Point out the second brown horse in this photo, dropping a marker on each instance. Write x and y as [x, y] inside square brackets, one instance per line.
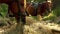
[39, 8]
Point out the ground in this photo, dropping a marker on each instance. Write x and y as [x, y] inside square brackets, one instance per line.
[32, 26]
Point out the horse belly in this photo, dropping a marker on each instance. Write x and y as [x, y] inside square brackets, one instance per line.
[14, 8]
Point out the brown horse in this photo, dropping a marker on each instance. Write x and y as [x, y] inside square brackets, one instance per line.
[39, 8]
[43, 7]
[14, 9]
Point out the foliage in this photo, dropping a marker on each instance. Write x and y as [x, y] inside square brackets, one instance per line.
[3, 9]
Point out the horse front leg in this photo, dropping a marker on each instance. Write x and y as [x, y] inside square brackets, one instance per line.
[23, 19]
[17, 19]
[39, 17]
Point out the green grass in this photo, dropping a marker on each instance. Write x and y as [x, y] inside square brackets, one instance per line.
[3, 9]
[57, 11]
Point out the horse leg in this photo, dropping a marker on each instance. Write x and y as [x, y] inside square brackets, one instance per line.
[39, 17]
[27, 13]
[23, 19]
[17, 19]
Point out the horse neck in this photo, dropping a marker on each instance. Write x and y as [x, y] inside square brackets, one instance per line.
[28, 4]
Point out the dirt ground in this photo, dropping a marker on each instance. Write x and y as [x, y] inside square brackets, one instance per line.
[31, 27]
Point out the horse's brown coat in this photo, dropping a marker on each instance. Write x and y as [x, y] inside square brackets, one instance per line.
[13, 7]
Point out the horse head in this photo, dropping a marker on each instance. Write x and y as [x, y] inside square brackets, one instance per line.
[44, 7]
[49, 5]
